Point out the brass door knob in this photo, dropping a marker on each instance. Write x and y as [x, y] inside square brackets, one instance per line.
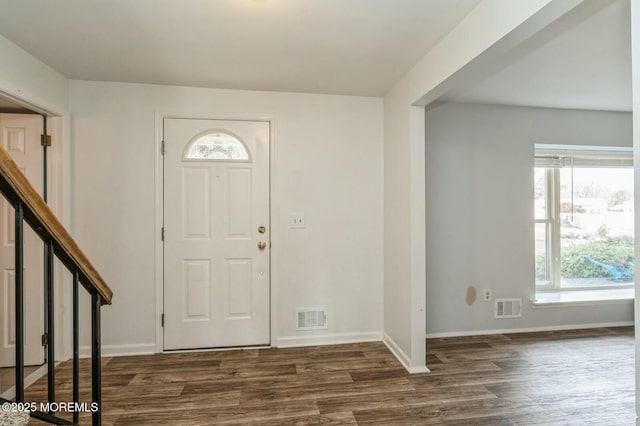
[262, 245]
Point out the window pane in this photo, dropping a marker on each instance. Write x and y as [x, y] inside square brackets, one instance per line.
[543, 276]
[596, 220]
[216, 146]
[540, 192]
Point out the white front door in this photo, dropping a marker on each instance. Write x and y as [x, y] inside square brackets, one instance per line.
[216, 233]
[20, 136]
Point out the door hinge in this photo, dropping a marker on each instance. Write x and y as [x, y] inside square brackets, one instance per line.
[45, 339]
[45, 140]
[162, 233]
[162, 148]
[162, 320]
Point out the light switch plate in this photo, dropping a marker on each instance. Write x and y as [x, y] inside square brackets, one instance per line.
[296, 221]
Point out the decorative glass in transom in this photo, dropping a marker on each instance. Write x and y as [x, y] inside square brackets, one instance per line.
[217, 146]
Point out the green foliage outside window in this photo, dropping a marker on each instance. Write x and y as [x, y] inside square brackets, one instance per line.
[582, 260]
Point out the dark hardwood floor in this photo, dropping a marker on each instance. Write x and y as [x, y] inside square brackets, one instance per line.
[582, 377]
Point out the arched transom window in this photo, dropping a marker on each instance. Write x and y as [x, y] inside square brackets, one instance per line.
[216, 145]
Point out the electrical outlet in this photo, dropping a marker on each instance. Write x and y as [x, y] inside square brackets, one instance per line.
[487, 295]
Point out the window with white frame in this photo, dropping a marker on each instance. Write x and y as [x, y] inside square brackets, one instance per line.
[584, 236]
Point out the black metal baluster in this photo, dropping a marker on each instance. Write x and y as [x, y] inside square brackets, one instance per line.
[51, 364]
[19, 277]
[47, 297]
[96, 367]
[76, 346]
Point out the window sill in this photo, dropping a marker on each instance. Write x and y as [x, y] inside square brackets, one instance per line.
[551, 299]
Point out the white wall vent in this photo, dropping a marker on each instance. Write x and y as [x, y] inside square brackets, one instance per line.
[508, 308]
[311, 319]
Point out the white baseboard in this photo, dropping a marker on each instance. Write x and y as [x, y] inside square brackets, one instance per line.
[121, 350]
[401, 356]
[528, 330]
[282, 342]
[328, 339]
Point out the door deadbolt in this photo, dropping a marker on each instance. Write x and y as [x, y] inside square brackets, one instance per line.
[262, 245]
[262, 229]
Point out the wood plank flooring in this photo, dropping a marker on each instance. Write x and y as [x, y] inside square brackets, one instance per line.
[582, 377]
[8, 377]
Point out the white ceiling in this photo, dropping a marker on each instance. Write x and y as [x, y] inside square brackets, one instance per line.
[352, 47]
[581, 61]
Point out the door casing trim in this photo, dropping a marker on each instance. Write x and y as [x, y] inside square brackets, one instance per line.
[159, 216]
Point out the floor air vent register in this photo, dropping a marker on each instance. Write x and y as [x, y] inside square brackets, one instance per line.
[311, 319]
[508, 308]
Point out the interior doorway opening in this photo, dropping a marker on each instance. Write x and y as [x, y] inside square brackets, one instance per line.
[33, 138]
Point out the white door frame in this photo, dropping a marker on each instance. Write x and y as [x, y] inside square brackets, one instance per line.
[59, 196]
[159, 219]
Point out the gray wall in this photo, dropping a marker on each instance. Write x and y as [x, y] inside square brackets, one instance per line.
[479, 197]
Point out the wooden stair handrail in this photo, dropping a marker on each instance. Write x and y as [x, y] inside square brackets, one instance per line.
[15, 186]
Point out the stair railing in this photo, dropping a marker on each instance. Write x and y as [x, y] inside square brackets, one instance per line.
[30, 208]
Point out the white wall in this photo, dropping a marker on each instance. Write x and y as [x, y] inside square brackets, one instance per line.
[327, 164]
[31, 82]
[470, 49]
[480, 206]
[27, 78]
[397, 279]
